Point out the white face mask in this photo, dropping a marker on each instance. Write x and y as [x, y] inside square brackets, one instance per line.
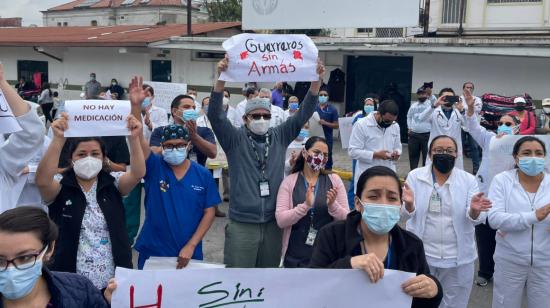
[546, 110]
[259, 127]
[88, 167]
[225, 101]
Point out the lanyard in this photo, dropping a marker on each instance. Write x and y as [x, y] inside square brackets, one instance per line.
[261, 163]
[388, 256]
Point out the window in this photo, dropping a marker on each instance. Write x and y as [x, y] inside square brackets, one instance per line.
[59, 24]
[65, 24]
[364, 30]
[34, 71]
[451, 11]
[121, 17]
[513, 1]
[94, 23]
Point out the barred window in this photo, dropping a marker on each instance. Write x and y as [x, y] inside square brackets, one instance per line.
[513, 1]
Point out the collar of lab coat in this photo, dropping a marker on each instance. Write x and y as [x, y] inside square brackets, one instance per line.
[426, 176]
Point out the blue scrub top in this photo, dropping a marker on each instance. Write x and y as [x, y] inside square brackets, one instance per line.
[174, 208]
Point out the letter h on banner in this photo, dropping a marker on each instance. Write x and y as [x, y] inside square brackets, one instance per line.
[158, 304]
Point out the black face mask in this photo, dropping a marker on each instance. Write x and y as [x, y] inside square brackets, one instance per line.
[422, 99]
[443, 163]
[519, 108]
[385, 124]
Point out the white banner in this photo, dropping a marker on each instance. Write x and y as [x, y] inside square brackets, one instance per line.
[8, 123]
[501, 150]
[165, 92]
[88, 118]
[344, 126]
[265, 288]
[322, 14]
[270, 57]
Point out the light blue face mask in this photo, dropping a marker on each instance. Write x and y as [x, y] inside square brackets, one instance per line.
[506, 130]
[380, 218]
[304, 133]
[174, 157]
[293, 106]
[323, 99]
[531, 166]
[16, 283]
[146, 103]
[368, 108]
[189, 115]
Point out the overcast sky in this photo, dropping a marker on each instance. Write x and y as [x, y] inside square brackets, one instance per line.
[28, 9]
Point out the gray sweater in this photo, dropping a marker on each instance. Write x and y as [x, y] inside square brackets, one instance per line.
[245, 204]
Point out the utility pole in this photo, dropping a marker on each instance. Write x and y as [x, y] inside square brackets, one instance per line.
[189, 24]
[461, 16]
[426, 17]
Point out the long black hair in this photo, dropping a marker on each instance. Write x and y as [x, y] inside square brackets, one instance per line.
[30, 219]
[300, 161]
[46, 86]
[522, 140]
[373, 172]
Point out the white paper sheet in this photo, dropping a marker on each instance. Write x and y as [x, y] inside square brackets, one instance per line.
[88, 118]
[270, 57]
[266, 288]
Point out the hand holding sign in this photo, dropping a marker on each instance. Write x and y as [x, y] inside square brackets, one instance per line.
[134, 126]
[270, 57]
[59, 126]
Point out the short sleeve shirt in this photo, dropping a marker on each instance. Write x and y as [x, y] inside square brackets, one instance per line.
[174, 208]
[329, 114]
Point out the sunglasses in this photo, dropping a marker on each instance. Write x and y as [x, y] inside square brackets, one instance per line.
[505, 123]
[260, 116]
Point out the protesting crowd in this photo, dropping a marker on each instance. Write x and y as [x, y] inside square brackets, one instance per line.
[70, 207]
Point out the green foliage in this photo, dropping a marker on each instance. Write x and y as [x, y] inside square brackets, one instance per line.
[224, 10]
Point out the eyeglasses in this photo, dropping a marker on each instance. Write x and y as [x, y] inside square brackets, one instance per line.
[505, 123]
[22, 262]
[171, 147]
[260, 116]
[444, 151]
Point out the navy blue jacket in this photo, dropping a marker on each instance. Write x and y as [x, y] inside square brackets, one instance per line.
[70, 290]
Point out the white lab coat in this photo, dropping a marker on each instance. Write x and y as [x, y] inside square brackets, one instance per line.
[441, 126]
[368, 137]
[158, 117]
[30, 195]
[522, 254]
[15, 153]
[462, 187]
[483, 137]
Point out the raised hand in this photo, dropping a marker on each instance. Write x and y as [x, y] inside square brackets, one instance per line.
[59, 126]
[134, 126]
[136, 93]
[479, 204]
[408, 197]
[223, 65]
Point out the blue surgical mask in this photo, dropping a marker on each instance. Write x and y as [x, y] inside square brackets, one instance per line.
[368, 108]
[323, 99]
[293, 106]
[174, 157]
[531, 166]
[506, 130]
[16, 283]
[304, 133]
[146, 103]
[190, 115]
[380, 218]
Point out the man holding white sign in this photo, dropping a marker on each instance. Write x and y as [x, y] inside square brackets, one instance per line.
[256, 157]
[16, 117]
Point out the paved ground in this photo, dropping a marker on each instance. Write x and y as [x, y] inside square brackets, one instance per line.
[214, 240]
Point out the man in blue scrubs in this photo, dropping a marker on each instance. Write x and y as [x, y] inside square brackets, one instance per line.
[180, 196]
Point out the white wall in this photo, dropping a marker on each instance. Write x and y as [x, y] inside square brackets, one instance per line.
[122, 16]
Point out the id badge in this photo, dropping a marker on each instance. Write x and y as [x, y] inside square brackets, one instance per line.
[311, 235]
[435, 203]
[264, 189]
[193, 156]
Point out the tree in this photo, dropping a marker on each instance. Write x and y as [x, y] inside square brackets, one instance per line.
[224, 10]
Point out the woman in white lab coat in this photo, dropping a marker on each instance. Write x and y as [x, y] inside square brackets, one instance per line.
[447, 207]
[485, 235]
[521, 200]
[447, 119]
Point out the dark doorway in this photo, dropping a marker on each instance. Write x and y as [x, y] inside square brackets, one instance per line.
[389, 77]
[33, 71]
[161, 70]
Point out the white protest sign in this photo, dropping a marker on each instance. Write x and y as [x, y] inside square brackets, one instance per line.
[501, 150]
[265, 288]
[323, 14]
[345, 126]
[270, 57]
[165, 92]
[8, 123]
[88, 118]
[170, 263]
